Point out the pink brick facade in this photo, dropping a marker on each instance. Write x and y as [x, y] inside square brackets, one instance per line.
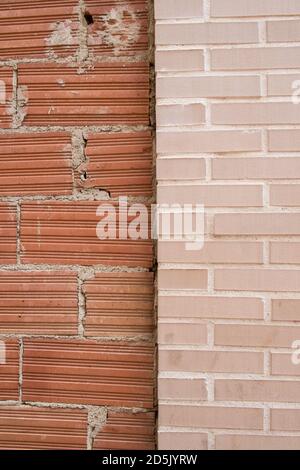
[228, 80]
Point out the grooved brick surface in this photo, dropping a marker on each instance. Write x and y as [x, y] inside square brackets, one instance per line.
[8, 232]
[77, 309]
[9, 369]
[35, 29]
[108, 94]
[65, 233]
[119, 304]
[25, 428]
[88, 372]
[130, 431]
[38, 302]
[34, 164]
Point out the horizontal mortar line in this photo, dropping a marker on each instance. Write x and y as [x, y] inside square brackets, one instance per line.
[234, 19]
[226, 431]
[213, 47]
[226, 403]
[228, 348]
[72, 268]
[100, 340]
[109, 129]
[225, 376]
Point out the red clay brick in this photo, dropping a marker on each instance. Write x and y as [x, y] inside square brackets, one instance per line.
[120, 163]
[24, 428]
[88, 372]
[35, 29]
[38, 302]
[36, 164]
[8, 233]
[118, 28]
[6, 77]
[108, 94]
[126, 431]
[9, 371]
[119, 304]
[65, 233]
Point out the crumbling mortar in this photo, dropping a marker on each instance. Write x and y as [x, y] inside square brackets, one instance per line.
[97, 417]
[98, 268]
[107, 129]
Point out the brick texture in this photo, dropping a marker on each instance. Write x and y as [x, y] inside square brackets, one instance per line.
[77, 310]
[227, 83]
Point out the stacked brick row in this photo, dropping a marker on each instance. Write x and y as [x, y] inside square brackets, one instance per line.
[76, 312]
[229, 138]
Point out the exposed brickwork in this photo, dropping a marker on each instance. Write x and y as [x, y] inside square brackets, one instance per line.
[76, 312]
[228, 137]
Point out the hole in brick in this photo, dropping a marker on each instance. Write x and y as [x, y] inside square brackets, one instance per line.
[88, 18]
[84, 176]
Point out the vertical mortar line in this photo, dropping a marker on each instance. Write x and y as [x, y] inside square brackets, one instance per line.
[18, 230]
[21, 352]
[267, 419]
[211, 438]
[14, 105]
[81, 305]
[267, 363]
[83, 50]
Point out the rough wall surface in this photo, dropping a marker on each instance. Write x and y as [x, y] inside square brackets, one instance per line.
[229, 137]
[76, 312]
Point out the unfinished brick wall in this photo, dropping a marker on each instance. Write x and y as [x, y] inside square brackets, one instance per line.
[76, 312]
[229, 137]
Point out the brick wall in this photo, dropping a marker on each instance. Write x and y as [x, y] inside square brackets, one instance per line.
[76, 313]
[229, 137]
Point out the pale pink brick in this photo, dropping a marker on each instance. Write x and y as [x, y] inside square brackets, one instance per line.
[206, 33]
[210, 307]
[180, 169]
[285, 252]
[282, 84]
[182, 333]
[182, 389]
[262, 58]
[255, 113]
[208, 142]
[211, 361]
[180, 114]
[169, 9]
[283, 31]
[257, 224]
[166, 61]
[255, 168]
[257, 390]
[285, 194]
[284, 140]
[286, 310]
[259, 442]
[285, 420]
[256, 335]
[209, 86]
[268, 280]
[182, 440]
[212, 195]
[182, 278]
[232, 252]
[282, 364]
[210, 417]
[241, 8]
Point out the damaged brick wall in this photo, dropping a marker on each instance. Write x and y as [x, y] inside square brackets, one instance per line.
[76, 313]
